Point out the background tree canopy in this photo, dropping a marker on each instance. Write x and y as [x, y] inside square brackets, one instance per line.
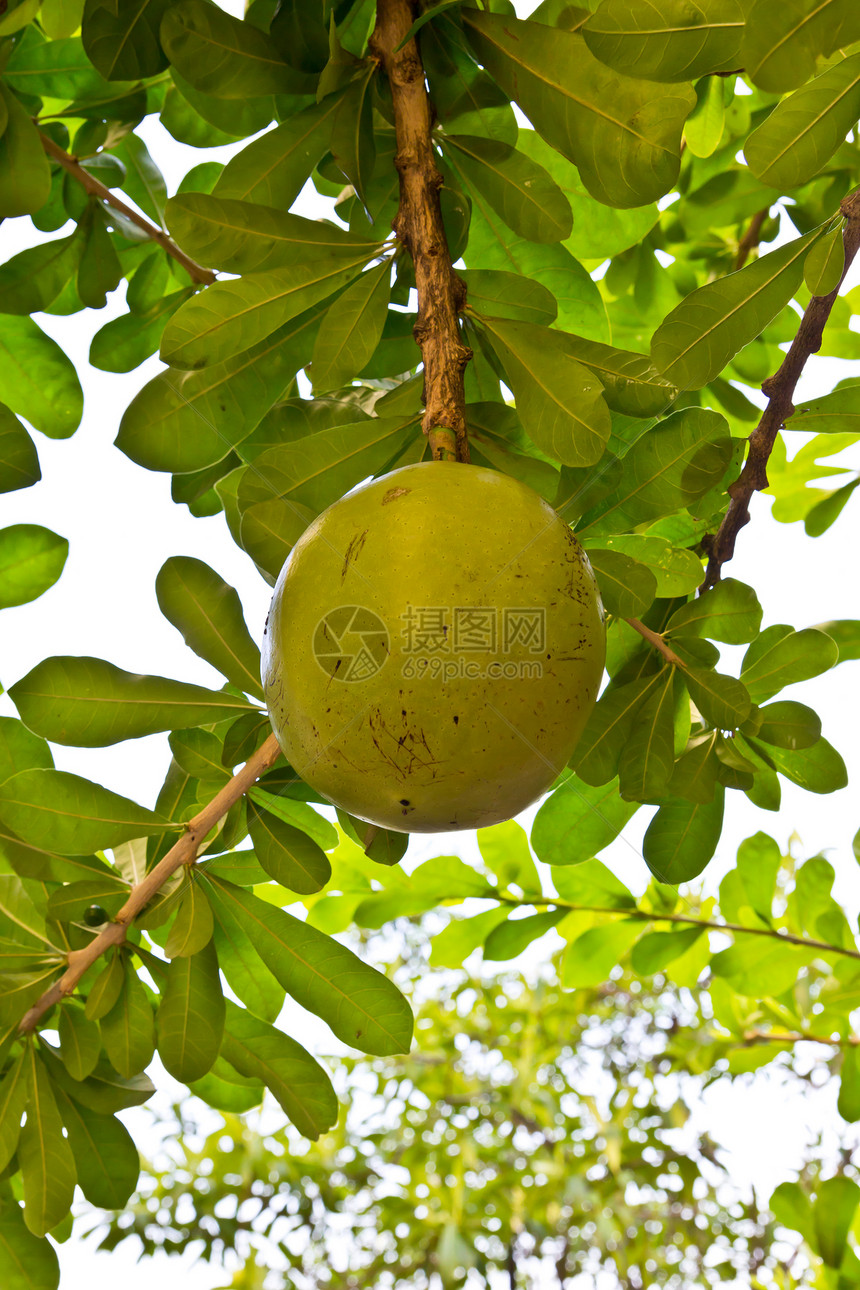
[572, 248]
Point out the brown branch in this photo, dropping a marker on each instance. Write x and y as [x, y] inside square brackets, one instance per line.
[182, 852]
[751, 237]
[797, 1037]
[96, 189]
[656, 640]
[689, 920]
[419, 226]
[779, 389]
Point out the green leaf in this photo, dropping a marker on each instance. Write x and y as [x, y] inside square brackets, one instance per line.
[674, 464]
[185, 421]
[682, 837]
[722, 700]
[298, 1082]
[508, 295]
[208, 613]
[509, 939]
[729, 612]
[789, 725]
[25, 175]
[247, 977]
[492, 245]
[597, 754]
[121, 37]
[33, 278]
[803, 131]
[848, 1104]
[790, 1206]
[230, 317]
[352, 142]
[835, 413]
[31, 560]
[677, 572]
[106, 989]
[577, 821]
[657, 950]
[697, 339]
[518, 189]
[302, 478]
[299, 814]
[80, 1041]
[781, 657]
[19, 461]
[453, 945]
[706, 124]
[833, 1212]
[69, 814]
[623, 135]
[13, 1099]
[244, 237]
[222, 55]
[825, 263]
[559, 402]
[589, 959]
[505, 848]
[47, 1164]
[273, 169]
[351, 329]
[758, 863]
[676, 41]
[37, 380]
[104, 1091]
[124, 342]
[361, 1006]
[591, 883]
[781, 45]
[632, 385]
[759, 968]
[91, 703]
[106, 1157]
[289, 856]
[193, 925]
[70, 902]
[27, 1262]
[626, 587]
[128, 1030]
[225, 1089]
[20, 749]
[845, 633]
[648, 756]
[818, 769]
[191, 1015]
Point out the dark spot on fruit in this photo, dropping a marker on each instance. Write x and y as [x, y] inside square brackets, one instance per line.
[456, 721]
[404, 801]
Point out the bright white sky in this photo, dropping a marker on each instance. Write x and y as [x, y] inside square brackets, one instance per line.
[122, 526]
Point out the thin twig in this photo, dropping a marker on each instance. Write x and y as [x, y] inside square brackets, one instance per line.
[96, 189]
[690, 920]
[182, 852]
[751, 237]
[655, 639]
[779, 389]
[419, 226]
[797, 1037]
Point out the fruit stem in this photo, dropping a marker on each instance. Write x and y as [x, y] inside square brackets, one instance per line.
[420, 228]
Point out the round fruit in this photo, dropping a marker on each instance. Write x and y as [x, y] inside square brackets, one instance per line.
[434, 649]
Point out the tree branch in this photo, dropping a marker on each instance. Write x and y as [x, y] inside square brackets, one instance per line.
[96, 189]
[751, 238]
[182, 852]
[655, 639]
[779, 389]
[690, 920]
[419, 226]
[797, 1037]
